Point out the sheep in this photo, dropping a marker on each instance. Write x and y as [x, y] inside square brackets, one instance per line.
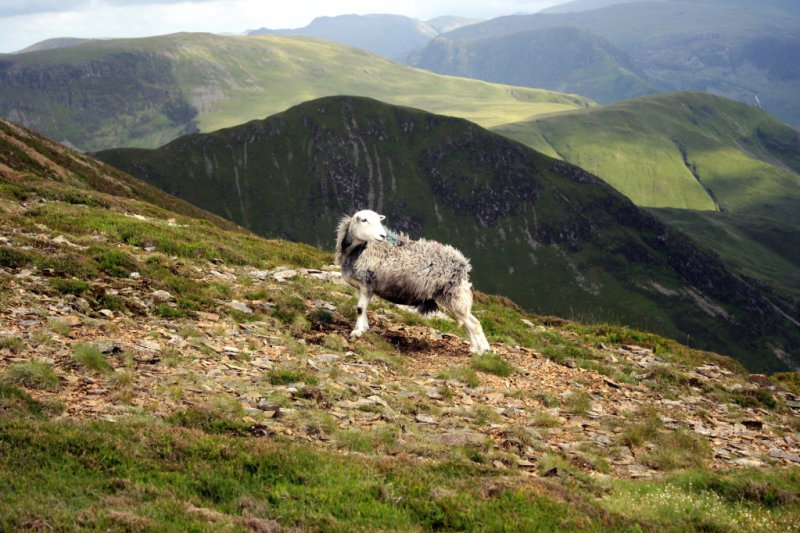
[421, 273]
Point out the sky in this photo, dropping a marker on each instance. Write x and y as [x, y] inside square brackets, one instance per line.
[25, 22]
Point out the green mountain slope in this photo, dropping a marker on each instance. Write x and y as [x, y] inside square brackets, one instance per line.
[145, 92]
[554, 238]
[682, 150]
[25, 158]
[758, 247]
[563, 59]
[735, 49]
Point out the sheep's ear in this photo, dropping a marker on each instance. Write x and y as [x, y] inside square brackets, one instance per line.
[382, 217]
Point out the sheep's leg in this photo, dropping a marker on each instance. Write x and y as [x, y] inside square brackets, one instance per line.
[479, 343]
[461, 306]
[477, 340]
[362, 325]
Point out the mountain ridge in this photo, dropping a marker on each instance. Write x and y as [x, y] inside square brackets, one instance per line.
[732, 50]
[392, 36]
[147, 91]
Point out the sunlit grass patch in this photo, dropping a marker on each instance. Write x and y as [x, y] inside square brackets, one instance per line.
[699, 500]
[287, 376]
[70, 286]
[680, 448]
[14, 258]
[577, 402]
[67, 472]
[462, 374]
[32, 374]
[643, 427]
[12, 343]
[381, 439]
[15, 401]
[492, 364]
[58, 327]
[545, 420]
[90, 357]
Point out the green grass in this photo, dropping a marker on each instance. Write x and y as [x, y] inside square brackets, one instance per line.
[97, 475]
[70, 286]
[463, 374]
[90, 357]
[577, 402]
[492, 364]
[12, 343]
[644, 428]
[287, 376]
[15, 401]
[32, 375]
[671, 150]
[678, 449]
[748, 500]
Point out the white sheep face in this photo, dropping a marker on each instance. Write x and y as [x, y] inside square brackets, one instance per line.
[366, 226]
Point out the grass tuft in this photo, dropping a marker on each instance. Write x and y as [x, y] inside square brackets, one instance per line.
[91, 358]
[285, 376]
[462, 374]
[492, 364]
[577, 402]
[11, 343]
[33, 375]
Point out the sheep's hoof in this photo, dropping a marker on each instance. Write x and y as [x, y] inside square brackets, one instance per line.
[357, 333]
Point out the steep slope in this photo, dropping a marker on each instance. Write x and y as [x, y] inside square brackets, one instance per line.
[145, 92]
[681, 150]
[563, 59]
[758, 247]
[733, 170]
[26, 158]
[731, 49]
[549, 235]
[158, 373]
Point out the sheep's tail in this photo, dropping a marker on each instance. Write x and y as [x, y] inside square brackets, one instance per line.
[427, 307]
[342, 239]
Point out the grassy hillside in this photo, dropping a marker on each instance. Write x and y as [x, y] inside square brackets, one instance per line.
[726, 48]
[681, 150]
[563, 59]
[145, 92]
[545, 233]
[725, 173]
[758, 247]
[161, 373]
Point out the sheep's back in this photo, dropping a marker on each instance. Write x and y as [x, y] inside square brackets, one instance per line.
[411, 272]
